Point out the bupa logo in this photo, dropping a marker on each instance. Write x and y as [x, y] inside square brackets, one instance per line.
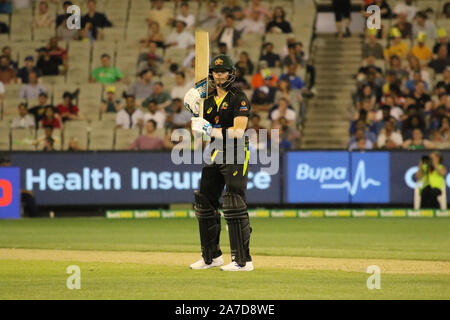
[9, 193]
[6, 194]
[338, 177]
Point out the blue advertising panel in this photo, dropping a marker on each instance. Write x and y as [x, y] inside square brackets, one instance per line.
[370, 177]
[337, 177]
[9, 193]
[109, 178]
[316, 177]
[403, 169]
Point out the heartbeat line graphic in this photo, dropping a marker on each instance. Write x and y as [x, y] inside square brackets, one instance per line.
[360, 179]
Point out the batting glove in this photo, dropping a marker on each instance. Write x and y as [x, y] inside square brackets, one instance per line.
[192, 101]
[200, 125]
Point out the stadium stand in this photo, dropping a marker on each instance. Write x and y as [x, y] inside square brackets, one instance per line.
[323, 96]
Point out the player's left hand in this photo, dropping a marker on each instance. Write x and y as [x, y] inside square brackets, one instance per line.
[200, 125]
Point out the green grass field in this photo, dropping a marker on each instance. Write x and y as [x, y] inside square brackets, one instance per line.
[294, 259]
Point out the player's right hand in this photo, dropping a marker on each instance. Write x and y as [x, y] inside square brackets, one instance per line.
[192, 101]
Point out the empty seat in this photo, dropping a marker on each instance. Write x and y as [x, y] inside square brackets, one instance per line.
[101, 138]
[125, 138]
[5, 138]
[23, 140]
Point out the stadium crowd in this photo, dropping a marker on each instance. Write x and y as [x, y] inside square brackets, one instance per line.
[151, 102]
[401, 100]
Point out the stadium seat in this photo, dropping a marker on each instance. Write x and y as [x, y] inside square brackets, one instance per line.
[57, 136]
[5, 138]
[101, 138]
[23, 140]
[78, 133]
[125, 138]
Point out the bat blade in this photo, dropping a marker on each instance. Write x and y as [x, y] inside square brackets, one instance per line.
[202, 65]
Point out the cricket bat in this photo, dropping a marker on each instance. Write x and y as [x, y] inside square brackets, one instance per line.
[202, 66]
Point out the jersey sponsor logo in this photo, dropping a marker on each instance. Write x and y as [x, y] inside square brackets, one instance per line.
[235, 173]
[216, 119]
[224, 106]
[243, 108]
[209, 110]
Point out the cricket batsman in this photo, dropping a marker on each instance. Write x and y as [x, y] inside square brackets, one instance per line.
[225, 118]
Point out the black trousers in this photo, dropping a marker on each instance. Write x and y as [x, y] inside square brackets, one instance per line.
[217, 176]
[342, 9]
[429, 198]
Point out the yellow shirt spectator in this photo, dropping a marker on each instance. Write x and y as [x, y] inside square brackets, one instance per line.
[400, 49]
[422, 52]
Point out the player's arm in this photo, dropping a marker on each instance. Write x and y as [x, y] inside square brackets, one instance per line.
[236, 131]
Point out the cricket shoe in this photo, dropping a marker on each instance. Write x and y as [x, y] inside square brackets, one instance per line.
[200, 264]
[233, 266]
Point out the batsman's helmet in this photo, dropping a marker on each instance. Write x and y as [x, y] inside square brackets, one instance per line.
[222, 62]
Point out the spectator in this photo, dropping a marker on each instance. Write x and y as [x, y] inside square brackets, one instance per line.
[162, 98]
[47, 64]
[6, 51]
[395, 64]
[148, 141]
[150, 60]
[294, 79]
[415, 67]
[62, 18]
[23, 120]
[406, 8]
[252, 24]
[422, 24]
[255, 141]
[110, 103]
[43, 18]
[180, 117]
[185, 16]
[106, 74]
[7, 73]
[442, 39]
[181, 86]
[431, 173]
[282, 110]
[263, 73]
[23, 74]
[6, 6]
[50, 119]
[389, 138]
[273, 59]
[293, 57]
[446, 10]
[158, 116]
[179, 38]
[245, 64]
[342, 10]
[410, 85]
[442, 61]
[211, 18]
[357, 144]
[3, 28]
[227, 33]
[294, 97]
[443, 86]
[413, 121]
[366, 94]
[371, 47]
[369, 67]
[67, 110]
[158, 13]
[142, 88]
[95, 19]
[38, 112]
[256, 5]
[263, 95]
[33, 89]
[232, 8]
[278, 23]
[422, 99]
[403, 25]
[55, 50]
[155, 36]
[49, 141]
[129, 117]
[240, 81]
[397, 46]
[65, 34]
